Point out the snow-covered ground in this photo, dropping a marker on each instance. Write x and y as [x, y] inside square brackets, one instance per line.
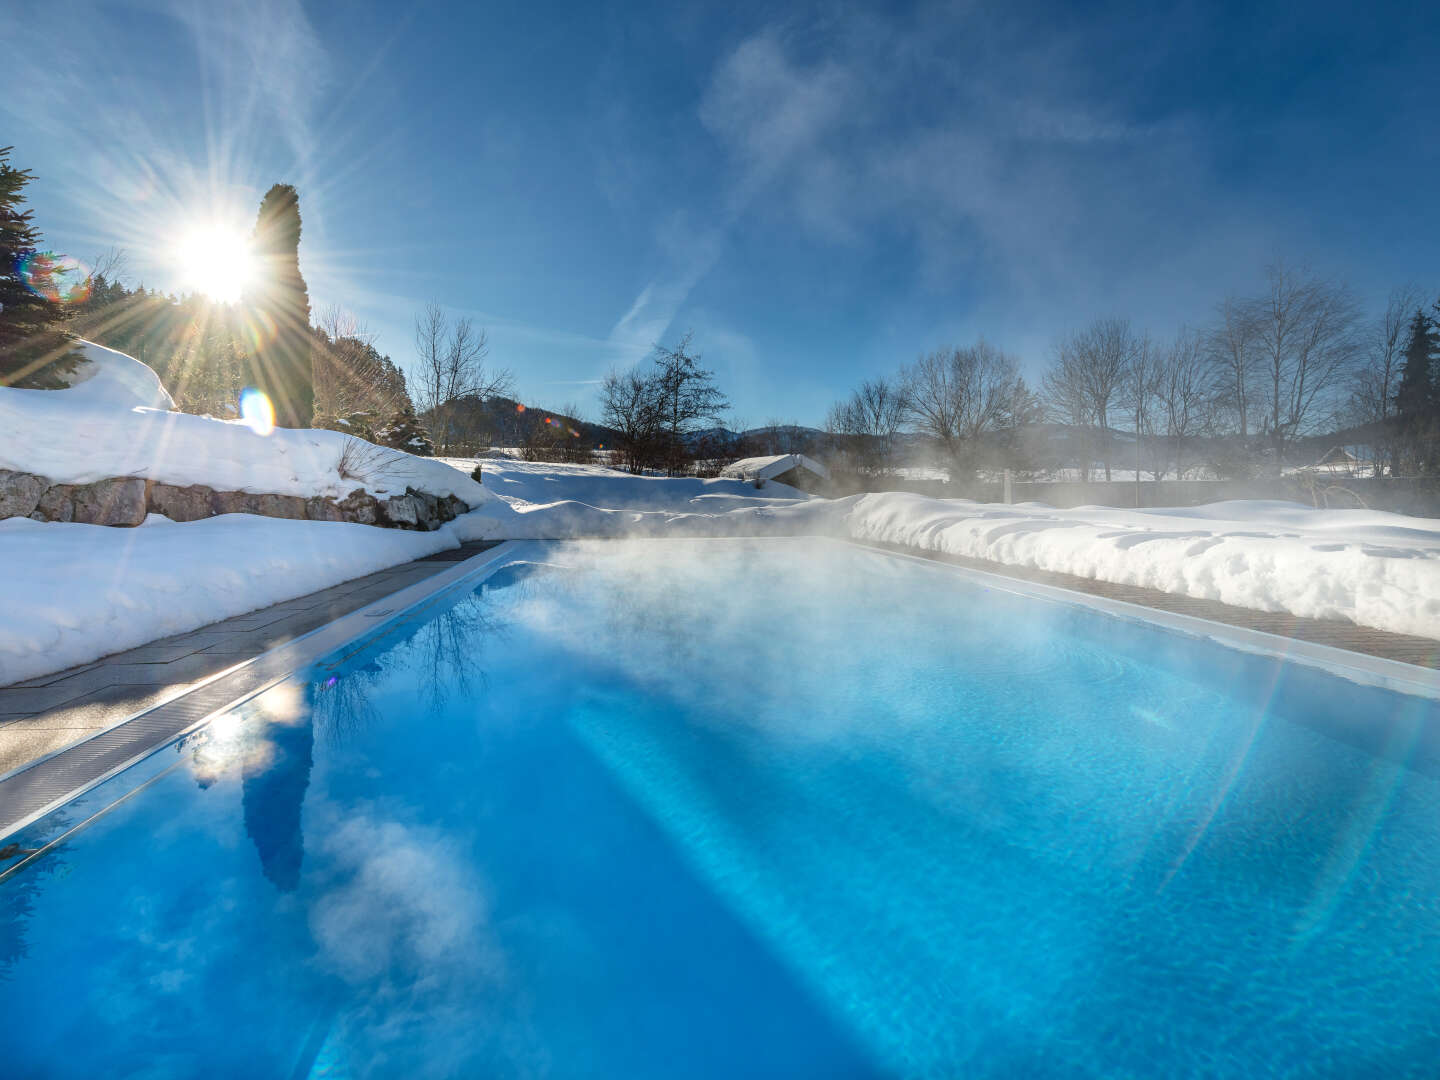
[1367, 567]
[115, 421]
[89, 590]
[553, 501]
[77, 592]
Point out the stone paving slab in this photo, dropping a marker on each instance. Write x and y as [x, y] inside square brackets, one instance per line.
[44, 714]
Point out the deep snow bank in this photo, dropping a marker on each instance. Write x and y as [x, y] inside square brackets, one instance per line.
[1367, 567]
[87, 590]
[114, 421]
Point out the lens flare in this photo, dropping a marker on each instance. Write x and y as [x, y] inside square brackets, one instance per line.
[61, 279]
[256, 412]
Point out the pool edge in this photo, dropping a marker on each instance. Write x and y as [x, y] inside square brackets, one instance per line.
[39, 787]
[1357, 666]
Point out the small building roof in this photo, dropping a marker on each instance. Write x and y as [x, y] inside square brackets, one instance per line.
[767, 468]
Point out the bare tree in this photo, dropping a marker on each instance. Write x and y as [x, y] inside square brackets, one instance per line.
[450, 365]
[1140, 394]
[1230, 345]
[339, 322]
[1377, 377]
[864, 426]
[630, 403]
[1305, 335]
[1186, 394]
[687, 394]
[353, 382]
[956, 396]
[1086, 379]
[109, 264]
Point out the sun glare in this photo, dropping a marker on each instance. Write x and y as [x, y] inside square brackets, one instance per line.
[216, 260]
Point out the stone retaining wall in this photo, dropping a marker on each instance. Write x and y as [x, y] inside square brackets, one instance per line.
[125, 501]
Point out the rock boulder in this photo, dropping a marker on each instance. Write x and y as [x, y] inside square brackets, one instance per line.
[180, 503]
[20, 493]
[110, 502]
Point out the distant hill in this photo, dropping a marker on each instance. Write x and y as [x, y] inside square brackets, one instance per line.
[757, 441]
[502, 421]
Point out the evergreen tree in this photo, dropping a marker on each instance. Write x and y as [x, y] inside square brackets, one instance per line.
[1416, 394]
[30, 335]
[280, 305]
[1417, 401]
[403, 431]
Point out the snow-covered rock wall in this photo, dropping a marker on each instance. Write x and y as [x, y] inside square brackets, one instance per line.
[116, 421]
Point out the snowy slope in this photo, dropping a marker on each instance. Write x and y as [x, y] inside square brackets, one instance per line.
[115, 422]
[106, 377]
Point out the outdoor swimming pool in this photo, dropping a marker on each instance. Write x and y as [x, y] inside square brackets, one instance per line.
[741, 808]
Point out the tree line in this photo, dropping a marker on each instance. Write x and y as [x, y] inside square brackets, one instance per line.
[1231, 397]
[656, 409]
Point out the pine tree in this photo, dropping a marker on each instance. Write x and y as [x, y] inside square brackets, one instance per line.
[29, 315]
[403, 431]
[280, 306]
[1417, 401]
[1416, 393]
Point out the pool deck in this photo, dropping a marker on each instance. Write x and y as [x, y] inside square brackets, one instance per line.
[44, 714]
[101, 714]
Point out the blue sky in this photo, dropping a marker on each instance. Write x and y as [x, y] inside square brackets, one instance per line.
[819, 191]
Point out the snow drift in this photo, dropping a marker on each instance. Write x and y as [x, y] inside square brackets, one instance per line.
[1367, 567]
[88, 590]
[115, 421]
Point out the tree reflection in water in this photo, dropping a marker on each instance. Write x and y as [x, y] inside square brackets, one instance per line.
[278, 733]
[273, 784]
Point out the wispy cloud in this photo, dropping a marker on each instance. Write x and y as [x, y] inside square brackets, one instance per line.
[996, 154]
[769, 113]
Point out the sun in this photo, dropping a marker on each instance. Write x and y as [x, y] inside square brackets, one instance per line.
[215, 260]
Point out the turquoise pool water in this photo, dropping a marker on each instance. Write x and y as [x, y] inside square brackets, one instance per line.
[751, 808]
